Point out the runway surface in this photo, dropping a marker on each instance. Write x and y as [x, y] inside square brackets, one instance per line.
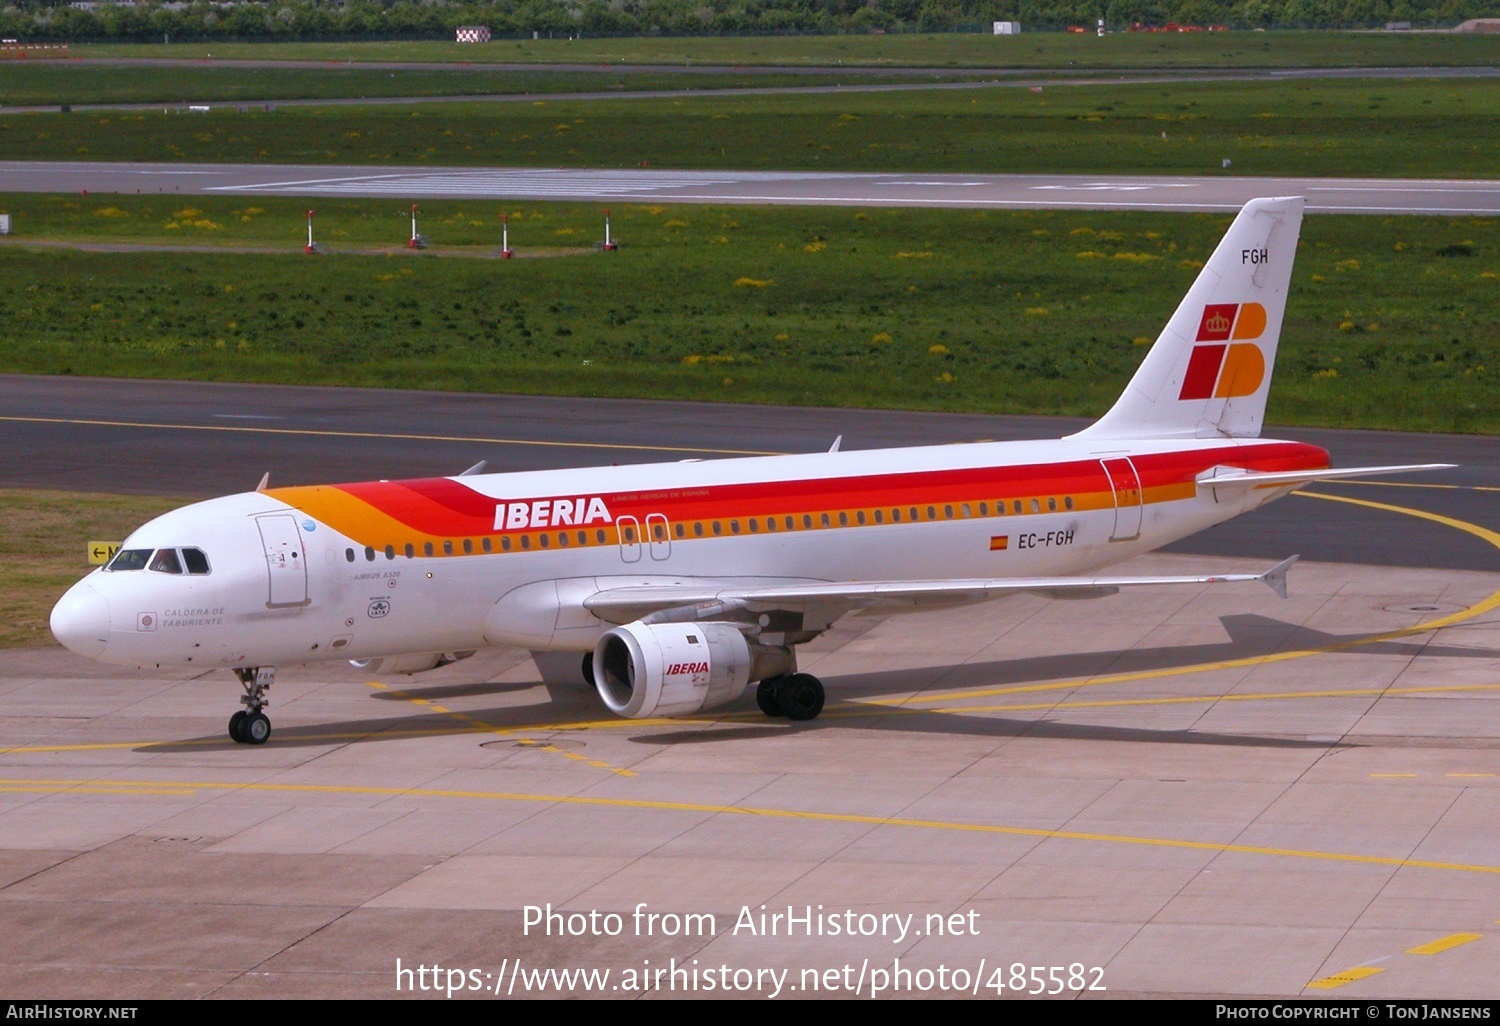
[1097, 192]
[1203, 792]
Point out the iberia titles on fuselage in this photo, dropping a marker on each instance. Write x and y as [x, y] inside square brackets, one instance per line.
[686, 582]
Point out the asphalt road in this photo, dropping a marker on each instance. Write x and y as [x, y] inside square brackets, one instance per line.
[1096, 192]
[196, 440]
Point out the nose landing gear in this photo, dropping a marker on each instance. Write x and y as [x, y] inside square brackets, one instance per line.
[250, 726]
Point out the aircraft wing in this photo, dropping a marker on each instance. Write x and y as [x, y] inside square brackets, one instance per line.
[1236, 477]
[828, 600]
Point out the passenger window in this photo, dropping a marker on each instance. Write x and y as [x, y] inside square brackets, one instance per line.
[447, 546]
[1051, 504]
[734, 527]
[411, 552]
[1068, 501]
[166, 562]
[468, 545]
[1036, 507]
[390, 552]
[349, 555]
[197, 562]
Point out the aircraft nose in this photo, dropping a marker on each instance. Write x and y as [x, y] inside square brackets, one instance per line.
[80, 620]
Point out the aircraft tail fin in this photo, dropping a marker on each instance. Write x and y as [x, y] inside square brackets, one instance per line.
[1209, 372]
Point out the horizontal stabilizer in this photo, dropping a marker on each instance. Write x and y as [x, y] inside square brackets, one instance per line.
[1236, 478]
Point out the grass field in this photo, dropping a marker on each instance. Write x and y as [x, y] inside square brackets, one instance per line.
[1392, 321]
[34, 84]
[1420, 128]
[1029, 50]
[42, 550]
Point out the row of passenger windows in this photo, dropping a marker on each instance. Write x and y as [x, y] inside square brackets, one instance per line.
[163, 561]
[630, 534]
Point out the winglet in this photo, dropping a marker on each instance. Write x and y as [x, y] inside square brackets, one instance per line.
[477, 468]
[1275, 577]
[836, 443]
[265, 479]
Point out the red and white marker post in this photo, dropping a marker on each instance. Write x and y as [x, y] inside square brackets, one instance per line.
[609, 244]
[416, 241]
[505, 251]
[312, 247]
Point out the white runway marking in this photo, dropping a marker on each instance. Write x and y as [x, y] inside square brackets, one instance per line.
[530, 182]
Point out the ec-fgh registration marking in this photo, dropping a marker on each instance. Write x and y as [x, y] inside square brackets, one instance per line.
[1045, 541]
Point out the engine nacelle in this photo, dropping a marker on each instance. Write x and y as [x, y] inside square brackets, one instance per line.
[411, 662]
[676, 669]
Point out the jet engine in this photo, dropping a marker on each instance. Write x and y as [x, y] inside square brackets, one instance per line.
[677, 669]
[410, 662]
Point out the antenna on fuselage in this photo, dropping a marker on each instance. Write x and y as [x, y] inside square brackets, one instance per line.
[265, 479]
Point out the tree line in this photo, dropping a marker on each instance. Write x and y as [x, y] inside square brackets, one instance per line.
[146, 20]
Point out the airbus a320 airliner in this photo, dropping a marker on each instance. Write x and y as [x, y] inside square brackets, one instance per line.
[681, 584]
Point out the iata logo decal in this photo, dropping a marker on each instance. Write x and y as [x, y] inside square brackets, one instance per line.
[1227, 367]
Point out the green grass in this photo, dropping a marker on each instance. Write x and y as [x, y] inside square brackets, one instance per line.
[1029, 50]
[1392, 322]
[23, 84]
[42, 550]
[1373, 128]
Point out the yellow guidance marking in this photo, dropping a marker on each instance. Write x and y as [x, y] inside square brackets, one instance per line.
[1409, 484]
[481, 726]
[769, 813]
[242, 429]
[1264, 696]
[1339, 979]
[1444, 943]
[1479, 608]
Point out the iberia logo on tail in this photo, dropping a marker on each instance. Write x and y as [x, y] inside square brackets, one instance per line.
[1227, 366]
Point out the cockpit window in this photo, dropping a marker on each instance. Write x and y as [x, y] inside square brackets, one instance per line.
[197, 562]
[166, 562]
[130, 559]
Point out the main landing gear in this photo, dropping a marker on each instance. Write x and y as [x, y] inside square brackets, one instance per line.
[250, 726]
[797, 696]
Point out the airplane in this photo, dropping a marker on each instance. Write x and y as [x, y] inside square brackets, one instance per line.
[673, 587]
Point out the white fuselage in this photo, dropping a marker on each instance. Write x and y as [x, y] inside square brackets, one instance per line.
[454, 564]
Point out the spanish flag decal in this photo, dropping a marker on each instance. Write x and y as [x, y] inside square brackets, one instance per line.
[999, 542]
